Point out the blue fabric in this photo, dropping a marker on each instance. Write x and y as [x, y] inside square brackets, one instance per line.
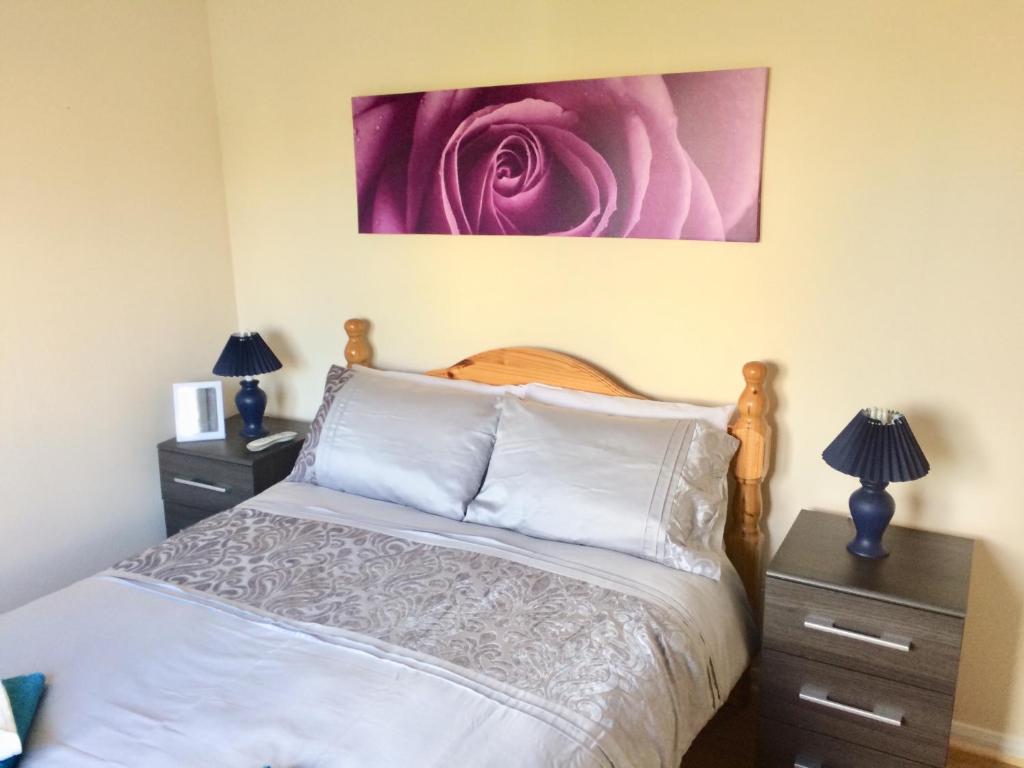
[24, 693]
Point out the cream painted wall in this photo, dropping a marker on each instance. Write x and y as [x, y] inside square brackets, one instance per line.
[115, 272]
[889, 270]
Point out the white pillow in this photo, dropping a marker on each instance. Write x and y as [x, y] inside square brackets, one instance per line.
[442, 381]
[654, 488]
[304, 470]
[405, 440]
[716, 416]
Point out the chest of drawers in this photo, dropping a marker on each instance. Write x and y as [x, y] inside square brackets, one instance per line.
[200, 479]
[861, 657]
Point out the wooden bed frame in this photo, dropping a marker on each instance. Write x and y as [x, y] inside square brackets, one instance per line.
[523, 365]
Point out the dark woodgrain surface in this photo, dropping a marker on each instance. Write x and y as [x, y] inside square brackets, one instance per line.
[177, 516]
[225, 464]
[927, 715]
[236, 479]
[730, 741]
[923, 570]
[783, 746]
[232, 447]
[935, 638]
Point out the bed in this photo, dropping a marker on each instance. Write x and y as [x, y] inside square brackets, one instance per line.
[313, 627]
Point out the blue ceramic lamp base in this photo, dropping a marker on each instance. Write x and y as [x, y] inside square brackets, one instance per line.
[251, 402]
[871, 508]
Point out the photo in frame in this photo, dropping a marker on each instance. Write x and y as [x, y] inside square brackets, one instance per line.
[199, 411]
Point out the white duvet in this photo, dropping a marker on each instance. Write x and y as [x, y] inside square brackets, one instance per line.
[151, 669]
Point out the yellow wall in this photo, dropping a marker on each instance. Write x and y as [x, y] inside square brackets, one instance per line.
[889, 271]
[115, 272]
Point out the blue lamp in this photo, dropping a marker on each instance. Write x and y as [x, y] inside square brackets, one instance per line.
[246, 355]
[879, 448]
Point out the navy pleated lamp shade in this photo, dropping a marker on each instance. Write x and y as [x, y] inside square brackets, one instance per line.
[246, 354]
[877, 446]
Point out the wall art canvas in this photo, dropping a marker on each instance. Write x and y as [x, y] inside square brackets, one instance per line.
[661, 156]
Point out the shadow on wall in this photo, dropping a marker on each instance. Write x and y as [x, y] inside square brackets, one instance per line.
[991, 638]
[776, 406]
[280, 394]
[931, 429]
[991, 634]
[124, 530]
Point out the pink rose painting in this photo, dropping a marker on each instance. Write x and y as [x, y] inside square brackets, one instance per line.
[661, 156]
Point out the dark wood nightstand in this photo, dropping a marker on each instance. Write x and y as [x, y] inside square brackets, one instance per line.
[202, 478]
[860, 657]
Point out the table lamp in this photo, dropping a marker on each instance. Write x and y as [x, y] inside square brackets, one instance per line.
[246, 354]
[879, 448]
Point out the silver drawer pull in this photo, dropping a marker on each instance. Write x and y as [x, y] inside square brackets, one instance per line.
[885, 640]
[882, 713]
[803, 762]
[197, 484]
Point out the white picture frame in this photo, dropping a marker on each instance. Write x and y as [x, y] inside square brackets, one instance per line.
[198, 411]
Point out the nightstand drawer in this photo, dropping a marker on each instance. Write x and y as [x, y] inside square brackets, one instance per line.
[786, 746]
[901, 720]
[892, 641]
[203, 484]
[177, 517]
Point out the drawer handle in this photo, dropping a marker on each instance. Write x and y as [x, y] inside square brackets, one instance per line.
[814, 694]
[803, 762]
[885, 640]
[197, 484]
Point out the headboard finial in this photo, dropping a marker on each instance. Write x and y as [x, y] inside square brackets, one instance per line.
[357, 350]
[755, 372]
[752, 402]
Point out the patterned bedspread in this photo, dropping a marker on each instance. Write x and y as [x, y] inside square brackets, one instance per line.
[620, 671]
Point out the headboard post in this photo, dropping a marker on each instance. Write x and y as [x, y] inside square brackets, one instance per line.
[744, 540]
[357, 350]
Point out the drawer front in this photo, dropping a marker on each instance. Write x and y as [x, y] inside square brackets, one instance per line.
[203, 484]
[275, 467]
[177, 517]
[786, 746]
[893, 641]
[891, 717]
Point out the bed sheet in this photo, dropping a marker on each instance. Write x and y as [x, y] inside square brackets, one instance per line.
[310, 627]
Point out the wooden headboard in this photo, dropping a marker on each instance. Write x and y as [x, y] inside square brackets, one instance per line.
[522, 365]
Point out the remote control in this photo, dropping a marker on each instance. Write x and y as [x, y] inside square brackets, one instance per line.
[269, 440]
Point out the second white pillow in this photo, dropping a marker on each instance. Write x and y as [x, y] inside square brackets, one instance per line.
[717, 416]
[653, 488]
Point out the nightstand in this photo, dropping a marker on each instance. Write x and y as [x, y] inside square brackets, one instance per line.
[202, 478]
[860, 657]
